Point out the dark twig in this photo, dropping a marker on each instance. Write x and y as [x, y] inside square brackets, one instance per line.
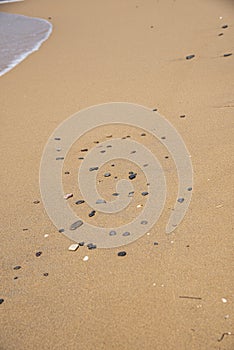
[223, 335]
[187, 297]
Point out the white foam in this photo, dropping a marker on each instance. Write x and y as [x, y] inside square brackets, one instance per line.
[34, 45]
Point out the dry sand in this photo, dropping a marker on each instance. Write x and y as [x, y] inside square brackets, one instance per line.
[134, 51]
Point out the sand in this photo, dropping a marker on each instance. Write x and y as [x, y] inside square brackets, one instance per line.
[135, 52]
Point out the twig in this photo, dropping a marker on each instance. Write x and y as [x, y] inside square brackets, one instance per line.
[223, 335]
[187, 297]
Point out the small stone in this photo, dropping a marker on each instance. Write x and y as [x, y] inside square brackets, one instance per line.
[57, 138]
[84, 150]
[182, 116]
[224, 300]
[166, 157]
[25, 229]
[81, 244]
[49, 17]
[66, 173]
[145, 193]
[17, 267]
[93, 168]
[36, 202]
[180, 200]
[143, 134]
[68, 195]
[220, 34]
[58, 149]
[76, 224]
[109, 146]
[227, 54]
[85, 258]
[163, 137]
[189, 57]
[144, 222]
[45, 274]
[1, 301]
[125, 234]
[109, 136]
[155, 243]
[80, 201]
[46, 235]
[155, 110]
[107, 174]
[225, 26]
[189, 189]
[112, 233]
[59, 158]
[80, 158]
[38, 254]
[91, 246]
[73, 247]
[151, 26]
[145, 165]
[95, 141]
[103, 151]
[61, 230]
[131, 194]
[92, 213]
[123, 253]
[132, 152]
[132, 176]
[115, 194]
[16, 277]
[100, 201]
[139, 206]
[112, 164]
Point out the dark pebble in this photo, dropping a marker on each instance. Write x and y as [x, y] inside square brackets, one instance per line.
[122, 253]
[49, 17]
[115, 194]
[61, 230]
[132, 176]
[189, 188]
[57, 138]
[166, 157]
[103, 151]
[225, 26]
[17, 267]
[112, 233]
[84, 150]
[109, 136]
[144, 222]
[125, 234]
[93, 168]
[59, 158]
[227, 54]
[132, 152]
[95, 141]
[38, 254]
[100, 201]
[107, 174]
[91, 246]
[15, 278]
[220, 34]
[36, 202]
[189, 57]
[145, 165]
[187, 246]
[108, 146]
[163, 137]
[25, 229]
[1, 301]
[81, 244]
[131, 172]
[76, 224]
[80, 158]
[145, 193]
[92, 213]
[155, 243]
[180, 200]
[131, 194]
[80, 201]
[143, 134]
[182, 116]
[155, 110]
[151, 26]
[112, 164]
[45, 274]
[128, 136]
[66, 173]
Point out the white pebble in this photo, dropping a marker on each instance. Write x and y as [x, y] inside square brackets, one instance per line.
[85, 258]
[148, 233]
[68, 195]
[73, 247]
[139, 205]
[154, 284]
[224, 300]
[46, 235]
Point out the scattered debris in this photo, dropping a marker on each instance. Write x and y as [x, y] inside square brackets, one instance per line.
[84, 150]
[100, 201]
[223, 335]
[188, 297]
[180, 200]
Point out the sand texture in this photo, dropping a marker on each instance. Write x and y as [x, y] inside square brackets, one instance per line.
[113, 51]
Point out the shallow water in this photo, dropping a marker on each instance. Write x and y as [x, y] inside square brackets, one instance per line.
[20, 36]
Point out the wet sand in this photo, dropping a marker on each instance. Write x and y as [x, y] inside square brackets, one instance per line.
[108, 51]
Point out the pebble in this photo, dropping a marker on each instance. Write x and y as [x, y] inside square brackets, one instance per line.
[112, 164]
[91, 246]
[66, 173]
[125, 234]
[227, 54]
[100, 201]
[38, 254]
[144, 222]
[57, 138]
[132, 176]
[189, 57]
[132, 152]
[145, 193]
[81, 158]
[58, 149]
[115, 194]
[92, 213]
[139, 205]
[225, 26]
[85, 258]
[95, 141]
[76, 224]
[36, 202]
[1, 301]
[112, 233]
[145, 165]
[107, 174]
[189, 188]
[131, 194]
[155, 109]
[17, 267]
[166, 157]
[143, 134]
[155, 243]
[45, 274]
[163, 137]
[224, 300]
[180, 200]
[46, 235]
[15, 278]
[73, 247]
[182, 116]
[93, 168]
[59, 158]
[109, 136]
[80, 201]
[84, 150]
[220, 34]
[103, 151]
[109, 146]
[68, 195]
[81, 244]
[61, 230]
[123, 253]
